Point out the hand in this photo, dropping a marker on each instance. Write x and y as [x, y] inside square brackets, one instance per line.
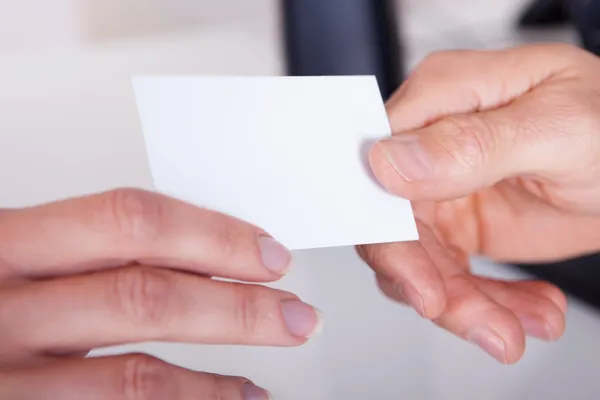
[131, 266]
[500, 153]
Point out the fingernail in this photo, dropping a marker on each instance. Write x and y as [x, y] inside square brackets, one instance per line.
[253, 392]
[301, 319]
[412, 296]
[275, 257]
[535, 327]
[489, 342]
[406, 155]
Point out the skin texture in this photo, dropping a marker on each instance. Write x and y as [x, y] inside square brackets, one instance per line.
[499, 151]
[131, 266]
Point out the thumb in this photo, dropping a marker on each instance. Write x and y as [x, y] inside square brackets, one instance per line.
[460, 154]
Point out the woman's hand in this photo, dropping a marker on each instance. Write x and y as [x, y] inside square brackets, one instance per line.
[131, 266]
[500, 153]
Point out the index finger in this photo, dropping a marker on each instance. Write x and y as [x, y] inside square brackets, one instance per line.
[463, 81]
[134, 226]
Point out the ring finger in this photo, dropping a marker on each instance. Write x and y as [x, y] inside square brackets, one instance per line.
[136, 304]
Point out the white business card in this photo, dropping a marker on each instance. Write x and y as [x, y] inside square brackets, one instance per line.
[288, 154]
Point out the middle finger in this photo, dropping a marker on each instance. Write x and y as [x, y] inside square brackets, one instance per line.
[137, 304]
[411, 271]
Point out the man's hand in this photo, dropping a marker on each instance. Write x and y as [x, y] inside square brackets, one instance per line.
[131, 266]
[500, 153]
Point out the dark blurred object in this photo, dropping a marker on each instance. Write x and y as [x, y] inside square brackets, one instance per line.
[579, 277]
[344, 37]
[544, 13]
[584, 15]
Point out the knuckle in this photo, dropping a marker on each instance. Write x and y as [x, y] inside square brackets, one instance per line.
[434, 59]
[440, 61]
[143, 296]
[254, 306]
[136, 214]
[466, 140]
[146, 378]
[380, 256]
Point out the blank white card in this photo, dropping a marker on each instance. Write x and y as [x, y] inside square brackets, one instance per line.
[288, 154]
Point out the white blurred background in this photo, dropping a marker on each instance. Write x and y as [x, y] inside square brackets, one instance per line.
[68, 126]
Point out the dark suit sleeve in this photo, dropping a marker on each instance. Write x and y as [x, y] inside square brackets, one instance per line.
[585, 15]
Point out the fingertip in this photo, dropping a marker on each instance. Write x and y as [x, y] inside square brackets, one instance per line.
[402, 171]
[508, 329]
[302, 320]
[549, 328]
[406, 273]
[252, 392]
[434, 300]
[384, 171]
[275, 257]
[490, 342]
[548, 325]
[551, 292]
[506, 347]
[553, 323]
[557, 296]
[514, 337]
[536, 305]
[514, 354]
[474, 316]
